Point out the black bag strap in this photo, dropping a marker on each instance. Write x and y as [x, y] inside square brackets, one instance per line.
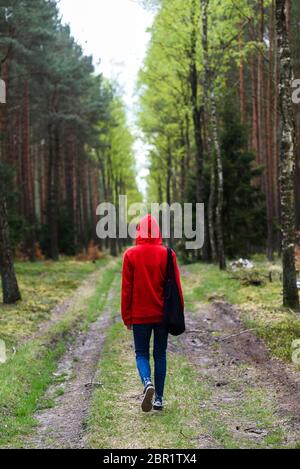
[170, 265]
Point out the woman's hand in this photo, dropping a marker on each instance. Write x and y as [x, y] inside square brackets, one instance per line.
[129, 327]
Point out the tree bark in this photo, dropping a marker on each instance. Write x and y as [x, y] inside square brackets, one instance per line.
[242, 81]
[287, 159]
[10, 289]
[52, 195]
[276, 136]
[206, 89]
[260, 94]
[28, 178]
[211, 206]
[211, 102]
[255, 137]
[269, 167]
[272, 158]
[196, 108]
[69, 180]
[220, 189]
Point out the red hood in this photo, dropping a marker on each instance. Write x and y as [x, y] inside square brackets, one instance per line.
[148, 232]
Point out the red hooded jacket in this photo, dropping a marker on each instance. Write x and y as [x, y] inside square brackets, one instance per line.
[144, 276]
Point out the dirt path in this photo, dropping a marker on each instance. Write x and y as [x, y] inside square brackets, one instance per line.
[239, 373]
[62, 425]
[241, 397]
[77, 300]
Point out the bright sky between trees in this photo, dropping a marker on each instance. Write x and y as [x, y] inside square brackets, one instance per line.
[115, 33]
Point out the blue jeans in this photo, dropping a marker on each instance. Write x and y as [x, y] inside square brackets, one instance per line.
[142, 335]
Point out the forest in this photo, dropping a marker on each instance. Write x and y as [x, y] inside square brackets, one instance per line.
[219, 113]
[210, 110]
[65, 143]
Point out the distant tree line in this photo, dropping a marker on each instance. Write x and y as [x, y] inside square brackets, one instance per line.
[65, 144]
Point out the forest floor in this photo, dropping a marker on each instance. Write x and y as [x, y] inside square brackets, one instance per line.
[231, 383]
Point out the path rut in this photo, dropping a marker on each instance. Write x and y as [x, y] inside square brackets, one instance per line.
[63, 425]
[233, 360]
[77, 300]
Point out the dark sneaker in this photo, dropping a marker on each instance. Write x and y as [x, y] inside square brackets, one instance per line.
[148, 397]
[158, 404]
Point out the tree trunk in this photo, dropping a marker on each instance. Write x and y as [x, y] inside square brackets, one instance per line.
[242, 81]
[69, 181]
[211, 206]
[255, 138]
[260, 95]
[188, 143]
[196, 108]
[28, 179]
[288, 10]
[287, 160]
[276, 132]
[295, 28]
[10, 289]
[52, 196]
[85, 208]
[220, 189]
[272, 219]
[211, 102]
[182, 164]
[206, 90]
[169, 176]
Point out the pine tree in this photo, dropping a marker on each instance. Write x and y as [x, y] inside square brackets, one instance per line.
[287, 156]
[244, 209]
[10, 288]
[58, 112]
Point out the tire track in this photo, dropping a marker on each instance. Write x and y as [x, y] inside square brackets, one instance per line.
[232, 362]
[63, 425]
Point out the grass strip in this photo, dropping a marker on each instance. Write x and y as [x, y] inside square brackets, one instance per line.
[26, 376]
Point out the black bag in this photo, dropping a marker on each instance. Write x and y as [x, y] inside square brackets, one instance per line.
[173, 308]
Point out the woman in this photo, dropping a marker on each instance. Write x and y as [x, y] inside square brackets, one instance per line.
[143, 283]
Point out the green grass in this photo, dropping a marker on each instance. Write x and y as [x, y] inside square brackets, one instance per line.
[43, 285]
[261, 306]
[194, 415]
[116, 420]
[227, 423]
[27, 375]
[205, 281]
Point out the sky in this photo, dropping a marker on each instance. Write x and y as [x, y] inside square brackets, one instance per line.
[115, 33]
